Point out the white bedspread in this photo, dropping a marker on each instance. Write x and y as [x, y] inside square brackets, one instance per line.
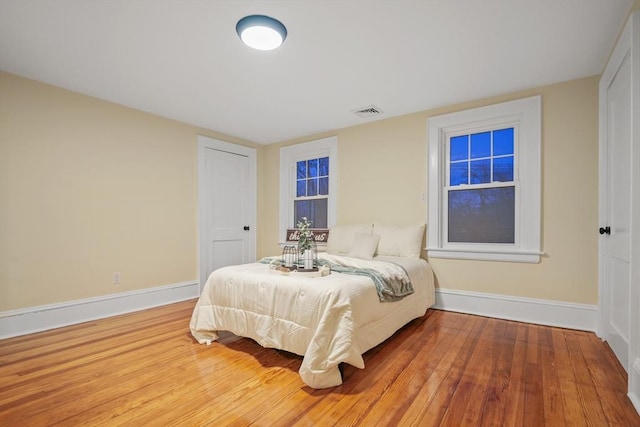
[328, 320]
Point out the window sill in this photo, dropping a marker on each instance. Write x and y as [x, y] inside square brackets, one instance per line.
[486, 255]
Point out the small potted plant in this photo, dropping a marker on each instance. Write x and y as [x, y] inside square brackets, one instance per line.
[305, 242]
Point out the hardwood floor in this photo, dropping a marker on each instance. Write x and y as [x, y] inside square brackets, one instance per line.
[445, 369]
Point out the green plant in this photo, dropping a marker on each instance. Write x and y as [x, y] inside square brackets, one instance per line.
[304, 243]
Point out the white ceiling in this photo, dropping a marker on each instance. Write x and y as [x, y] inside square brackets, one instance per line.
[183, 59]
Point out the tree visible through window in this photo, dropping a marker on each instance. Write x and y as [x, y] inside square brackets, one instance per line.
[484, 183]
[481, 190]
[308, 183]
[312, 191]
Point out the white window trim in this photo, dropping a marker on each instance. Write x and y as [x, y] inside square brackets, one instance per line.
[289, 156]
[527, 114]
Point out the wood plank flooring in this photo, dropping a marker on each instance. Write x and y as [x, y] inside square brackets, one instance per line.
[445, 369]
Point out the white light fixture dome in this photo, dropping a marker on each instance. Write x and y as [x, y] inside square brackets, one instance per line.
[261, 32]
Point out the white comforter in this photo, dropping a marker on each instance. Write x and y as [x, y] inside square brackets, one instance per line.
[328, 320]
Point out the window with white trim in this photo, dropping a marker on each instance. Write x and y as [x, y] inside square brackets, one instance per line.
[484, 183]
[312, 191]
[308, 183]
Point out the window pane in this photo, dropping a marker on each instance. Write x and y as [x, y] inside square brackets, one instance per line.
[314, 210]
[480, 145]
[480, 171]
[301, 189]
[324, 166]
[301, 170]
[503, 142]
[302, 208]
[312, 168]
[482, 216]
[503, 169]
[459, 173]
[312, 187]
[459, 148]
[323, 186]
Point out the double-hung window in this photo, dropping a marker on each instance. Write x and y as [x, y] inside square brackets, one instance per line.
[484, 183]
[308, 179]
[311, 200]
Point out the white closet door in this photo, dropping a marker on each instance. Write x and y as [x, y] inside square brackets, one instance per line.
[616, 233]
[619, 249]
[227, 199]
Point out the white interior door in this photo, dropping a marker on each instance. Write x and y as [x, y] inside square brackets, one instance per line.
[618, 198]
[227, 194]
[616, 286]
[619, 188]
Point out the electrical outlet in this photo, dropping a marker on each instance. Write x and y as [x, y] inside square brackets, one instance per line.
[116, 278]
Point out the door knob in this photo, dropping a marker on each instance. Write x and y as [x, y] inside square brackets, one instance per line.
[605, 230]
[246, 228]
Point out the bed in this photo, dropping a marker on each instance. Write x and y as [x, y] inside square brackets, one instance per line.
[328, 320]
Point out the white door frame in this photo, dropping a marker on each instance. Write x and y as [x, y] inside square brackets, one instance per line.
[628, 44]
[204, 143]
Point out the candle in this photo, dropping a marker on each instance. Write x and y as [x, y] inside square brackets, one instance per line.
[308, 259]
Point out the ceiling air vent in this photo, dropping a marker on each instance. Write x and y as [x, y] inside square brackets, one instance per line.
[370, 111]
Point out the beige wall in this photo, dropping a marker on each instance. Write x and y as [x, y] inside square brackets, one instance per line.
[383, 175]
[88, 188]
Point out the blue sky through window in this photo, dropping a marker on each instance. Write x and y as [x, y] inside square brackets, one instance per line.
[480, 145]
[480, 171]
[301, 170]
[459, 148]
[481, 214]
[481, 158]
[503, 142]
[312, 178]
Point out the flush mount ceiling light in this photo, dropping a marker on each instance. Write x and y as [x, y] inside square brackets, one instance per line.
[261, 32]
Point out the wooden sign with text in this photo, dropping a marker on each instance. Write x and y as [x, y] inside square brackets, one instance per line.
[320, 235]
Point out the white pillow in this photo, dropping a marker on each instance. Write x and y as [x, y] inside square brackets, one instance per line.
[405, 241]
[364, 246]
[341, 237]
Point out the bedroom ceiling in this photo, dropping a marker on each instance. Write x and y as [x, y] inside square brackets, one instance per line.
[183, 59]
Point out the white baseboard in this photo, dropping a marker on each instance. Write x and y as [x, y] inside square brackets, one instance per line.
[44, 317]
[634, 385]
[543, 312]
